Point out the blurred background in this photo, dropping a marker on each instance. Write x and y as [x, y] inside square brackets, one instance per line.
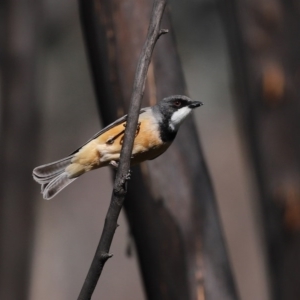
[51, 65]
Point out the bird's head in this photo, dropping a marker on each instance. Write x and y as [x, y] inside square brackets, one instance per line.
[176, 108]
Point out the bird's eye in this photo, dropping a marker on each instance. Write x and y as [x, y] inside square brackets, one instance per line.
[177, 103]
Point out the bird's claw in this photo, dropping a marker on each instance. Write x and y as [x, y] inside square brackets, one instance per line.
[128, 175]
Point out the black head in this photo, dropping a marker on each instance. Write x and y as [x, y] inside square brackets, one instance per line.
[173, 110]
[176, 102]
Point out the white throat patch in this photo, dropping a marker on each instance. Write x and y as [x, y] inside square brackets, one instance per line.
[178, 117]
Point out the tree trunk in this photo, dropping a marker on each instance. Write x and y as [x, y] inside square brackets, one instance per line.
[18, 133]
[170, 206]
[265, 49]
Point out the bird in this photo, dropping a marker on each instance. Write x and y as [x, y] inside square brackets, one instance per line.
[156, 130]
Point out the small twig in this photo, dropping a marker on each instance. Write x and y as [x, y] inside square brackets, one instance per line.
[123, 174]
[161, 32]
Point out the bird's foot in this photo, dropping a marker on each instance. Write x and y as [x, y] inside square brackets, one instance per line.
[114, 164]
[137, 127]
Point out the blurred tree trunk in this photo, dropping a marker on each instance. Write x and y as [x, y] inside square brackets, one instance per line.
[265, 49]
[170, 206]
[18, 134]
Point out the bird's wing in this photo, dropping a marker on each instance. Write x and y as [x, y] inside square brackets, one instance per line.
[115, 123]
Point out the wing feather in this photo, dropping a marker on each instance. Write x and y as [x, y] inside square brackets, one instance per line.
[115, 123]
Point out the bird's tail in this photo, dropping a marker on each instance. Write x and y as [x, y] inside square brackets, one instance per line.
[53, 177]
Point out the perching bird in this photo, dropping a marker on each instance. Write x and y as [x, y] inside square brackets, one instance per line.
[157, 128]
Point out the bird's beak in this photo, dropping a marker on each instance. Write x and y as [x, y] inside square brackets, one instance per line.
[195, 104]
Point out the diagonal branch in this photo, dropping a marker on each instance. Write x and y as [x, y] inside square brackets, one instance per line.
[119, 189]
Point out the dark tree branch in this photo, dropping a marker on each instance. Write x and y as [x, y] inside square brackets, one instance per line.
[119, 189]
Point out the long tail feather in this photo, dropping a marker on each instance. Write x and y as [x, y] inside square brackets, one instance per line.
[45, 172]
[56, 185]
[53, 177]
